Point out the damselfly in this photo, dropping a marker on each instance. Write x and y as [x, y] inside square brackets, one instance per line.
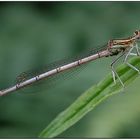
[112, 48]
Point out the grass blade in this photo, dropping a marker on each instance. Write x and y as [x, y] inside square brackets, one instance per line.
[91, 98]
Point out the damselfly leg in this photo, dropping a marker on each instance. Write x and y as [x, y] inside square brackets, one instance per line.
[114, 73]
[129, 53]
[132, 54]
[137, 49]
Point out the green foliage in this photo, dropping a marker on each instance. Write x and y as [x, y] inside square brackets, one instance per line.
[90, 99]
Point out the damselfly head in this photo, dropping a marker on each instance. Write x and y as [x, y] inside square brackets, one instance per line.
[137, 34]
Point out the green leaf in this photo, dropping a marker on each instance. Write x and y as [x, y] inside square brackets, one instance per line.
[91, 98]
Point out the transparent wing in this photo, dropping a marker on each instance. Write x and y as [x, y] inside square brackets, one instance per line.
[54, 80]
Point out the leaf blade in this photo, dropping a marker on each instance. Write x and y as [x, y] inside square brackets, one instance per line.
[90, 99]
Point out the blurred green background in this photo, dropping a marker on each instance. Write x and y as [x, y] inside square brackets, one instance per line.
[34, 34]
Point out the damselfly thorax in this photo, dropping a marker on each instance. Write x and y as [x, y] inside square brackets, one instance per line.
[116, 46]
